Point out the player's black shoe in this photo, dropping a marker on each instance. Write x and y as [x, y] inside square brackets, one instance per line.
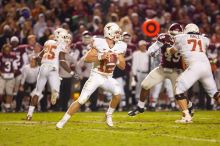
[136, 111]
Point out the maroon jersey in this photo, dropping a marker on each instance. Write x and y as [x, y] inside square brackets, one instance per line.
[81, 47]
[169, 60]
[128, 56]
[6, 65]
[19, 51]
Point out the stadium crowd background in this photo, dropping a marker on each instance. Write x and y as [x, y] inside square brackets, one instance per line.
[33, 21]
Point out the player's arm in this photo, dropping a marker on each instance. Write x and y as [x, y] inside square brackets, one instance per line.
[63, 63]
[93, 56]
[121, 61]
[40, 56]
[154, 49]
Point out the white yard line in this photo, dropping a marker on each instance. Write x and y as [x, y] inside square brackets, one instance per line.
[189, 138]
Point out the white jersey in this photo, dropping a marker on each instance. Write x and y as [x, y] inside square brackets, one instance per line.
[101, 46]
[51, 53]
[192, 47]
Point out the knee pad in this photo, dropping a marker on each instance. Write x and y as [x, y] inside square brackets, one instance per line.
[180, 97]
[82, 99]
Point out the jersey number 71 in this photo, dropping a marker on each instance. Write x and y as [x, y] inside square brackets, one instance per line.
[195, 42]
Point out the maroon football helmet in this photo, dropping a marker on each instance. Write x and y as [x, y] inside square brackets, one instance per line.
[165, 39]
[175, 29]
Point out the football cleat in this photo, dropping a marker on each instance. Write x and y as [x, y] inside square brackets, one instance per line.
[54, 96]
[109, 121]
[29, 118]
[136, 111]
[59, 125]
[186, 119]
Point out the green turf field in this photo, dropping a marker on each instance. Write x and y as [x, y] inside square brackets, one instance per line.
[88, 129]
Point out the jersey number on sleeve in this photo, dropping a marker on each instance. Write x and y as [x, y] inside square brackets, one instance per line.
[196, 43]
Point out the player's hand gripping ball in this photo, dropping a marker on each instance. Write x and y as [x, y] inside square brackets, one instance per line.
[111, 59]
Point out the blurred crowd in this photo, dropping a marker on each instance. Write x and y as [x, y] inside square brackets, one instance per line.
[27, 24]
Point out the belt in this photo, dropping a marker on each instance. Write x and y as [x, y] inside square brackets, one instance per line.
[142, 71]
[168, 70]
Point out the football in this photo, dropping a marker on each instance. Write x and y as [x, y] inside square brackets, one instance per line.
[112, 59]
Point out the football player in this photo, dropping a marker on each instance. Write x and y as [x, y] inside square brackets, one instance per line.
[105, 53]
[170, 65]
[192, 47]
[51, 57]
[20, 62]
[7, 81]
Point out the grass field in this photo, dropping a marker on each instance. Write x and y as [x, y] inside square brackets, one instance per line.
[88, 129]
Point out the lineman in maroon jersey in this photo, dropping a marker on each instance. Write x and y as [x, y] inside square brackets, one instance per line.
[170, 65]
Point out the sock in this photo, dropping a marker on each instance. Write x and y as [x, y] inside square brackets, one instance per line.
[7, 105]
[31, 110]
[173, 104]
[186, 112]
[110, 111]
[153, 104]
[65, 118]
[189, 104]
[141, 104]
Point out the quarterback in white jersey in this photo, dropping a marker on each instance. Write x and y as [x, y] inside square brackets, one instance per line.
[52, 55]
[192, 47]
[105, 54]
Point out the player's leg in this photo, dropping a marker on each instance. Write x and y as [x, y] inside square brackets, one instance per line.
[94, 81]
[2, 90]
[36, 94]
[153, 78]
[9, 87]
[113, 86]
[18, 93]
[169, 90]
[183, 83]
[123, 98]
[155, 92]
[209, 85]
[54, 82]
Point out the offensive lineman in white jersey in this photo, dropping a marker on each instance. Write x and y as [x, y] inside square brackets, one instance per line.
[105, 53]
[51, 57]
[192, 47]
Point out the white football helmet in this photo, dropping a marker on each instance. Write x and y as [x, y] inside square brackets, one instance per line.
[86, 37]
[112, 31]
[57, 33]
[193, 28]
[62, 37]
[68, 38]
